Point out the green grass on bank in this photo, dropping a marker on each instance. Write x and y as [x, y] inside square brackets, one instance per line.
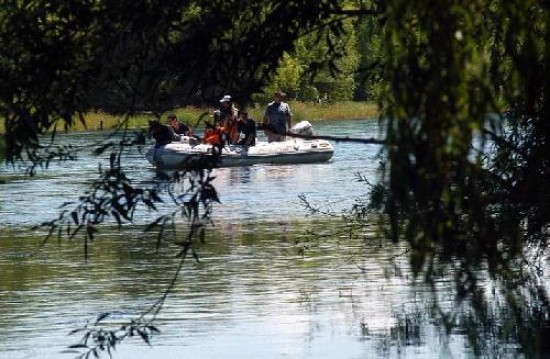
[313, 112]
[346, 110]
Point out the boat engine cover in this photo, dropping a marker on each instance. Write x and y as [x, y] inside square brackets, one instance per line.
[303, 128]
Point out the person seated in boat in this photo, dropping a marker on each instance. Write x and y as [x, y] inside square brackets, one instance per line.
[277, 118]
[163, 134]
[179, 128]
[247, 127]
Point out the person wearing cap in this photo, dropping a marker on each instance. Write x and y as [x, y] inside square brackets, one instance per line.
[227, 115]
[247, 127]
[227, 108]
[224, 129]
[277, 118]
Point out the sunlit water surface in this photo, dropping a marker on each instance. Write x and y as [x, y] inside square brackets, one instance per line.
[263, 288]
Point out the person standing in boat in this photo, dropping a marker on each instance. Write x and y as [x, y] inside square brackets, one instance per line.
[178, 127]
[277, 118]
[227, 108]
[247, 127]
[225, 119]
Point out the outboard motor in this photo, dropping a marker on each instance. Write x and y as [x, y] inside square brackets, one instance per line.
[303, 128]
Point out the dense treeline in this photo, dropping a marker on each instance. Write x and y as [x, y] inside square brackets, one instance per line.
[465, 186]
[59, 59]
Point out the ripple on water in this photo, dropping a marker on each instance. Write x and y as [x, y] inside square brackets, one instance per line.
[262, 287]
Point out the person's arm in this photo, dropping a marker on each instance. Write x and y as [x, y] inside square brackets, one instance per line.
[265, 123]
[173, 135]
[186, 129]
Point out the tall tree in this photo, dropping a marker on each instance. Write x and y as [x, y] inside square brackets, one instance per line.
[467, 187]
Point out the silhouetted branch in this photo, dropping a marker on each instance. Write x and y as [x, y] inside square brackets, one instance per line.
[368, 141]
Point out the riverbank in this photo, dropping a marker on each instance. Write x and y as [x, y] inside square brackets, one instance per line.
[313, 112]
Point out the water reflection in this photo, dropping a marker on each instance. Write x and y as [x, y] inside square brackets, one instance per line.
[239, 175]
[252, 285]
[263, 288]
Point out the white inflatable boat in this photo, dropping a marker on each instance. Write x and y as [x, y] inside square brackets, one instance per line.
[184, 154]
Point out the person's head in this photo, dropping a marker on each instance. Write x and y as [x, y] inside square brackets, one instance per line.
[225, 102]
[172, 119]
[154, 126]
[279, 96]
[243, 114]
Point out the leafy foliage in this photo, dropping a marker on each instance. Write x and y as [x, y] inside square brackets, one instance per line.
[307, 75]
[62, 59]
[465, 186]
[97, 340]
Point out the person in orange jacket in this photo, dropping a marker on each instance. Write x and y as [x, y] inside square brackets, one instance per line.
[225, 129]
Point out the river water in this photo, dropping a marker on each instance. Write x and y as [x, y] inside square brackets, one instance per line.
[271, 282]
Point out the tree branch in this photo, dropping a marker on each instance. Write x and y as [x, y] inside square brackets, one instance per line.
[368, 141]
